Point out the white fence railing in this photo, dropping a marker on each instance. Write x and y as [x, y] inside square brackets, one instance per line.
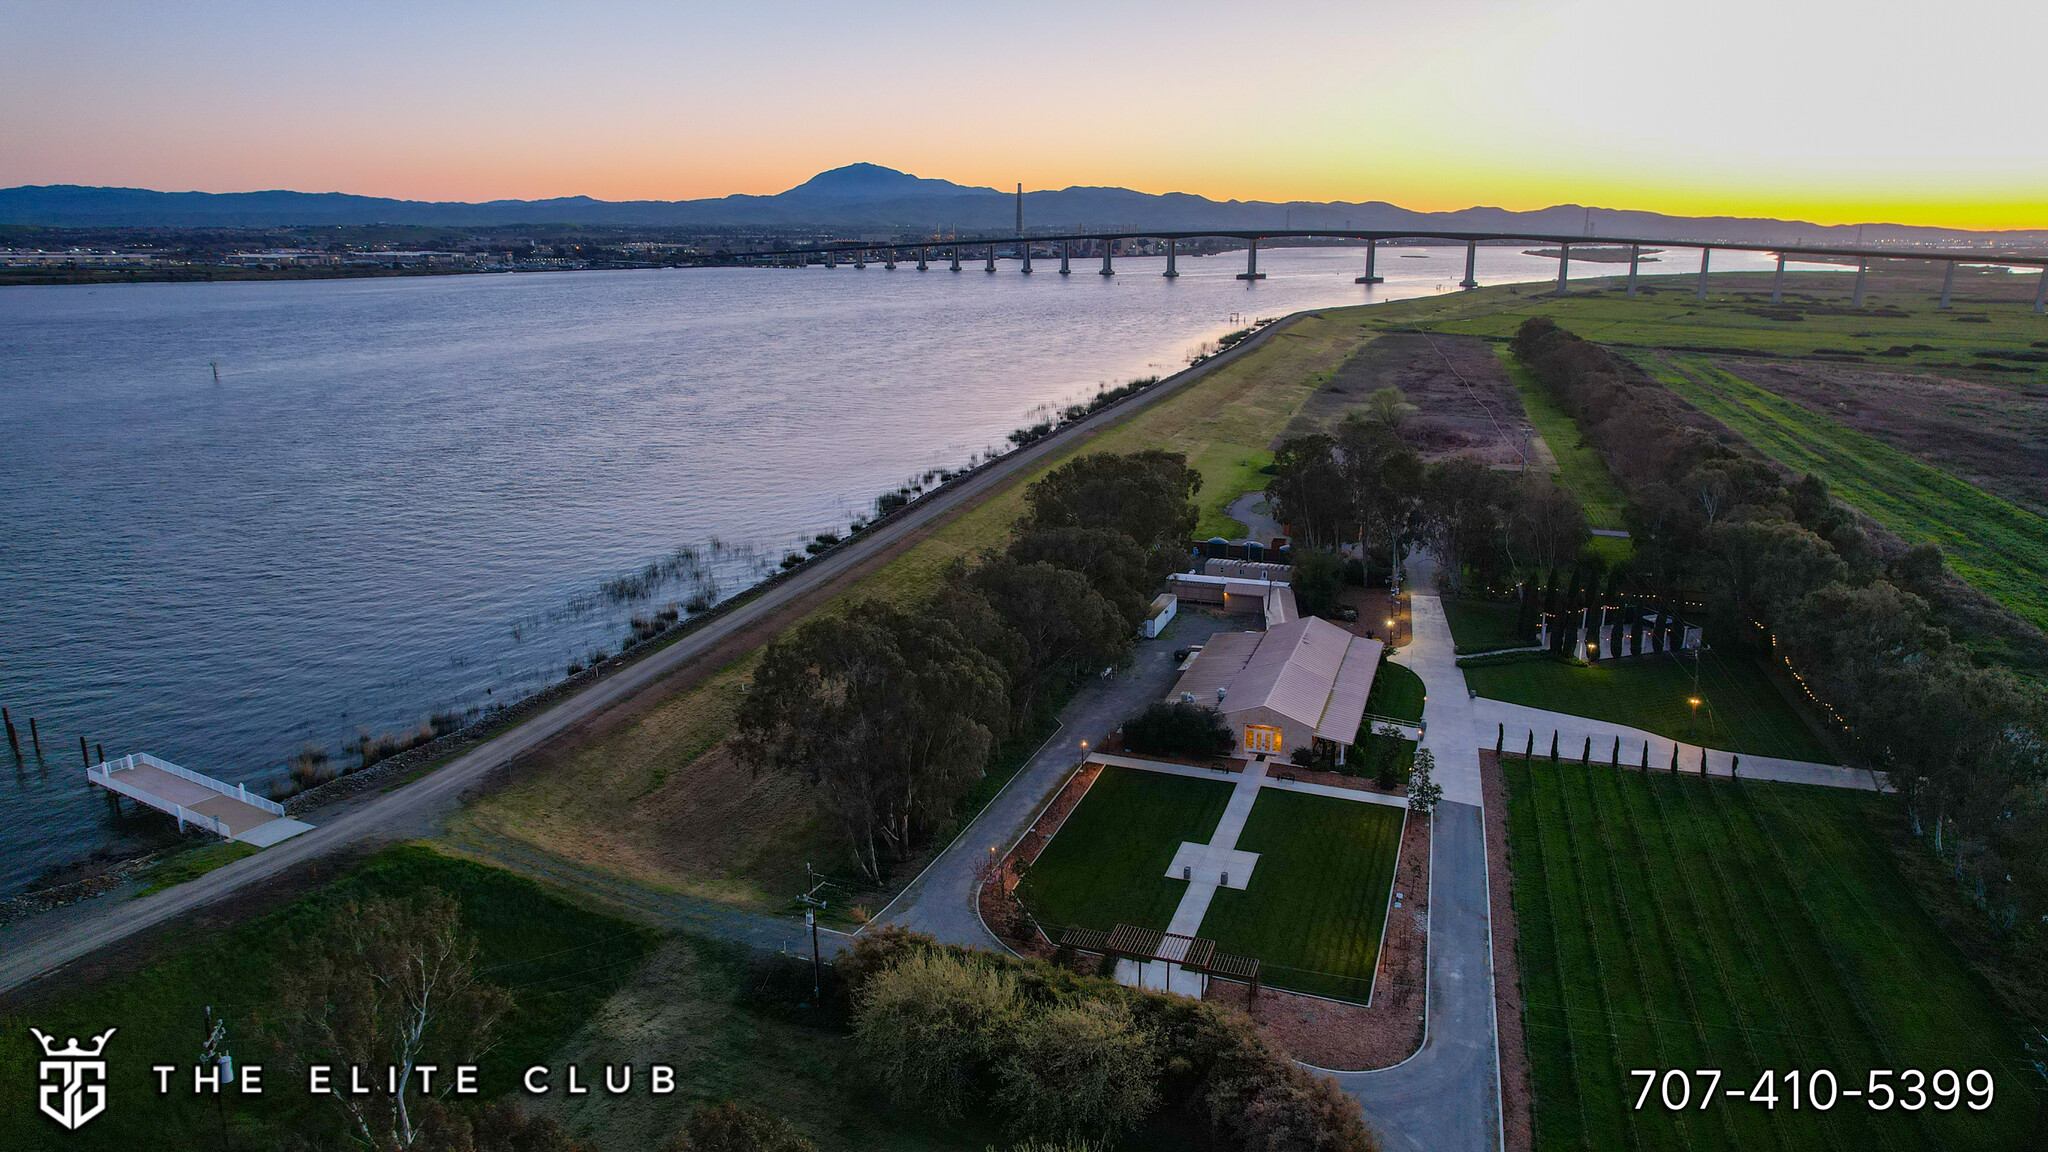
[238, 791]
[103, 775]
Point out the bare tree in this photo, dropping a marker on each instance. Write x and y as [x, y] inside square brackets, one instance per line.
[389, 987]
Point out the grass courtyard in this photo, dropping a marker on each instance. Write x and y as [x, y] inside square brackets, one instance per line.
[1741, 710]
[1107, 866]
[1312, 912]
[1479, 625]
[1673, 923]
[1317, 901]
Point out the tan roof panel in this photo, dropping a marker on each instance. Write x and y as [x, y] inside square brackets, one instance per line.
[1346, 708]
[1216, 666]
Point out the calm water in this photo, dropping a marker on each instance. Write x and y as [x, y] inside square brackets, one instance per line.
[404, 497]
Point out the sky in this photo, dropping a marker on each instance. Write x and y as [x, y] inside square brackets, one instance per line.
[1821, 110]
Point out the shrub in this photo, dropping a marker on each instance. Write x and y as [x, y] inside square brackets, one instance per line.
[731, 1127]
[312, 767]
[1179, 728]
[1318, 578]
[929, 1027]
[1080, 1071]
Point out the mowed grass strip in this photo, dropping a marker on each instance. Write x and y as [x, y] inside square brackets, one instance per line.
[1740, 710]
[1317, 901]
[1107, 866]
[1396, 691]
[1996, 545]
[1674, 922]
[1579, 466]
[1483, 625]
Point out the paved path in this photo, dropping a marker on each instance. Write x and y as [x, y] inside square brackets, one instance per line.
[1252, 511]
[36, 948]
[1446, 1098]
[941, 901]
[1521, 721]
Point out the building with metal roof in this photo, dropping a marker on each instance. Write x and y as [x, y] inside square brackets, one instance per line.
[1299, 682]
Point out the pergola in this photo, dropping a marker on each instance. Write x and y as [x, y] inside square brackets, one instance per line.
[1145, 945]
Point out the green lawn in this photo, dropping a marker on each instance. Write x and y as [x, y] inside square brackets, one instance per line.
[1483, 625]
[1673, 923]
[560, 962]
[1228, 471]
[1740, 710]
[1318, 898]
[1579, 466]
[191, 863]
[1107, 866]
[1373, 749]
[1993, 543]
[1396, 691]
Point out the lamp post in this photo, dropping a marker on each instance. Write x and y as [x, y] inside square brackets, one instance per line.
[1693, 727]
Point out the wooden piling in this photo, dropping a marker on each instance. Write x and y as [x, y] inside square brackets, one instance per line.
[35, 737]
[84, 753]
[13, 741]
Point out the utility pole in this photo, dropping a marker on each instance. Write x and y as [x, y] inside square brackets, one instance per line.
[215, 1052]
[817, 994]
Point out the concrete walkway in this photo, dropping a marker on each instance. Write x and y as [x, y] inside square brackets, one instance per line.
[1521, 721]
[1446, 1098]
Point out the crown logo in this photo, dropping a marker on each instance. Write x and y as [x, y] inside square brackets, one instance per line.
[72, 1049]
[74, 1088]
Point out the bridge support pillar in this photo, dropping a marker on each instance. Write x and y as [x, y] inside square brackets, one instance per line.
[1778, 282]
[2041, 292]
[831, 258]
[1024, 251]
[922, 263]
[1171, 270]
[860, 257]
[1635, 260]
[1108, 246]
[1066, 257]
[1471, 263]
[1948, 284]
[889, 259]
[1862, 266]
[991, 259]
[1372, 249]
[1704, 254]
[956, 257]
[1564, 268]
[1251, 263]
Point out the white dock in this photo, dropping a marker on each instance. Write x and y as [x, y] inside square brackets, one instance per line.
[227, 810]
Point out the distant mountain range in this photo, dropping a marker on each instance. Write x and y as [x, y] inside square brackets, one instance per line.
[872, 198]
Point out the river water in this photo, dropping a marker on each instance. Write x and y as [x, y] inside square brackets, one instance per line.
[406, 496]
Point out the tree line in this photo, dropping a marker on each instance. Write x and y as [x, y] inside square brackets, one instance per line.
[1365, 485]
[1786, 570]
[892, 713]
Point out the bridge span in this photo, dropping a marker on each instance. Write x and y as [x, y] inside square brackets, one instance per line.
[1104, 244]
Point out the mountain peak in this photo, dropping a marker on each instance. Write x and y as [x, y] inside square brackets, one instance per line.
[872, 182]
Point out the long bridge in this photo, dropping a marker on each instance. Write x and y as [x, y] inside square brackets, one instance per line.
[1047, 247]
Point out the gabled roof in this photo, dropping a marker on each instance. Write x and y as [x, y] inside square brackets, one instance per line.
[1308, 670]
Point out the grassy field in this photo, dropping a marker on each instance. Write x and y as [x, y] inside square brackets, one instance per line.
[1673, 923]
[1992, 314]
[191, 863]
[1107, 866]
[1318, 898]
[1994, 544]
[1396, 691]
[560, 962]
[1579, 466]
[1483, 625]
[1741, 711]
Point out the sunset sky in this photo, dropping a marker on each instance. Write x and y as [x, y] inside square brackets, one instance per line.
[1792, 108]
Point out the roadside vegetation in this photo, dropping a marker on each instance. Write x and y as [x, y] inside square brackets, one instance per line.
[1678, 923]
[538, 967]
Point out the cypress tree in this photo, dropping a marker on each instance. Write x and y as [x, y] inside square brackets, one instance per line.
[1529, 753]
[1553, 745]
[1646, 757]
[1525, 609]
[1674, 757]
[1617, 750]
